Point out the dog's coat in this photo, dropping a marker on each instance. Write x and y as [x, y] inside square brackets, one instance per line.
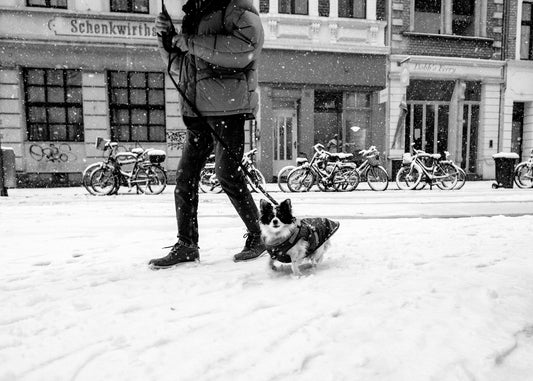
[289, 240]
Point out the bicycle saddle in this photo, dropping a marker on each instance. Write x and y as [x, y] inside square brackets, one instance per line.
[137, 151]
[342, 155]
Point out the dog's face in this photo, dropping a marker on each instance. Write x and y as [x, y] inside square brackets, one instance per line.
[276, 220]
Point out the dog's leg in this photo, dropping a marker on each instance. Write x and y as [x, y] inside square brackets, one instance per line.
[295, 265]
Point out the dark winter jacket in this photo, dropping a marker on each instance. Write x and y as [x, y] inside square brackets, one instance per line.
[316, 231]
[218, 73]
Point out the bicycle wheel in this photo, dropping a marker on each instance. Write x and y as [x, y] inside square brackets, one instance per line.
[86, 177]
[523, 176]
[377, 178]
[103, 181]
[301, 179]
[256, 177]
[209, 182]
[408, 178]
[282, 178]
[449, 173]
[151, 179]
[346, 179]
[461, 178]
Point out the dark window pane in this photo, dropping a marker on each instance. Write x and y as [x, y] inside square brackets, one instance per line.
[37, 3]
[139, 116]
[156, 97]
[427, 16]
[35, 94]
[119, 5]
[58, 3]
[56, 95]
[58, 132]
[74, 95]
[124, 133]
[120, 116]
[157, 134]
[284, 6]
[54, 77]
[73, 78]
[119, 79]
[37, 114]
[525, 42]
[139, 133]
[300, 7]
[352, 8]
[138, 80]
[74, 115]
[35, 77]
[56, 115]
[37, 132]
[119, 96]
[157, 117]
[526, 11]
[156, 80]
[140, 6]
[138, 97]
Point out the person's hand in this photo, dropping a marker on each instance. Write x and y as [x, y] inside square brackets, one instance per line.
[163, 25]
[180, 42]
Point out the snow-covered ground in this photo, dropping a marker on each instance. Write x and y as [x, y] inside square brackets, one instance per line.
[401, 295]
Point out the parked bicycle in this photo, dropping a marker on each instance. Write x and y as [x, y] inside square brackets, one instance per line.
[209, 182]
[461, 174]
[284, 172]
[146, 174]
[327, 170]
[523, 173]
[425, 167]
[371, 169]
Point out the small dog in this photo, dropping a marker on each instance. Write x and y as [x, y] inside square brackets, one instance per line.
[290, 240]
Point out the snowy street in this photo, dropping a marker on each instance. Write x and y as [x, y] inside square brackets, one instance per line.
[418, 285]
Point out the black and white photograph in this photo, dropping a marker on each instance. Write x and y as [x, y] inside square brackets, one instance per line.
[266, 190]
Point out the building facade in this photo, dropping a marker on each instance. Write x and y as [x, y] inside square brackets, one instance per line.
[74, 70]
[517, 128]
[447, 80]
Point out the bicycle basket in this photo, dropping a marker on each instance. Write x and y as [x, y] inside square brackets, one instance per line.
[373, 160]
[156, 156]
[407, 158]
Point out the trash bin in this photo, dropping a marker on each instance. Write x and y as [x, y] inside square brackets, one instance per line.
[505, 163]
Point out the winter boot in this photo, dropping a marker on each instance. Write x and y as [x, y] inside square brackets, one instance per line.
[253, 248]
[180, 253]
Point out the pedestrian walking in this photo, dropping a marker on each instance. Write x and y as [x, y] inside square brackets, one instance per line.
[214, 56]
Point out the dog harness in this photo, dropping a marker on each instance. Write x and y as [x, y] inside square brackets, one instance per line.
[316, 231]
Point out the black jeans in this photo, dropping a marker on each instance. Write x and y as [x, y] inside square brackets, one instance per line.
[197, 148]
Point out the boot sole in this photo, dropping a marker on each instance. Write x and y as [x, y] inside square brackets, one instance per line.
[249, 259]
[156, 267]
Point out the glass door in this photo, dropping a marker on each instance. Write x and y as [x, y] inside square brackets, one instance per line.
[284, 139]
[427, 126]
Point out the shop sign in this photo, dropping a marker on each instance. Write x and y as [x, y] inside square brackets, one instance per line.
[91, 27]
[434, 68]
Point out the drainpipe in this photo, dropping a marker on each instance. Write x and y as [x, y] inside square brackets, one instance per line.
[388, 42]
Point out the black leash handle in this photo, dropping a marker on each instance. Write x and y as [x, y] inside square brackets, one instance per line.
[211, 129]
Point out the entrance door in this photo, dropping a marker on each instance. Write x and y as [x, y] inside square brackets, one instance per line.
[284, 139]
[517, 132]
[427, 126]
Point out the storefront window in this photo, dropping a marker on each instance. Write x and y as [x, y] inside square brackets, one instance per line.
[129, 6]
[357, 112]
[526, 36]
[293, 7]
[328, 117]
[47, 3]
[352, 9]
[53, 105]
[137, 106]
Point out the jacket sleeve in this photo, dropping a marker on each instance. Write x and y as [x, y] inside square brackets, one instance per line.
[165, 55]
[240, 45]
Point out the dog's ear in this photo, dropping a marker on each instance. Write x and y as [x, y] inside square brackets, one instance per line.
[265, 206]
[286, 206]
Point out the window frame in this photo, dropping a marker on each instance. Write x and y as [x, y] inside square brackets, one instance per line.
[447, 16]
[292, 7]
[47, 4]
[530, 24]
[351, 4]
[130, 6]
[131, 107]
[77, 133]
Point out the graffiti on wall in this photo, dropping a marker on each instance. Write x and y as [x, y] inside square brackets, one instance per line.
[176, 139]
[53, 153]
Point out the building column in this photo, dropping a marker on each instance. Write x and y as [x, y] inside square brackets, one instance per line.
[273, 7]
[313, 8]
[488, 129]
[371, 10]
[446, 21]
[333, 8]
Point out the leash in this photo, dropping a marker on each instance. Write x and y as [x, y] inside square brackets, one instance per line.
[204, 121]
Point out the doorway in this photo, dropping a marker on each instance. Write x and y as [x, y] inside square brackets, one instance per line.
[284, 138]
[517, 132]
